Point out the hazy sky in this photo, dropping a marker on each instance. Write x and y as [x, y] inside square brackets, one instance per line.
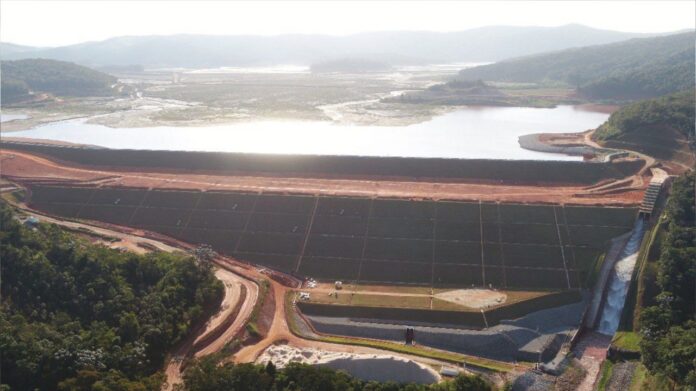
[55, 22]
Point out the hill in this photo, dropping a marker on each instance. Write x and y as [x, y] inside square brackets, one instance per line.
[394, 47]
[662, 127]
[77, 313]
[634, 69]
[22, 78]
[456, 92]
[8, 50]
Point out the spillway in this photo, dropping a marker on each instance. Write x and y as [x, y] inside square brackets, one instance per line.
[620, 280]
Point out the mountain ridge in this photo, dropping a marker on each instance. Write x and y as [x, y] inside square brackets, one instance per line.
[633, 69]
[489, 43]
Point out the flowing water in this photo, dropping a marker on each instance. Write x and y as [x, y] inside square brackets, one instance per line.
[471, 132]
[620, 280]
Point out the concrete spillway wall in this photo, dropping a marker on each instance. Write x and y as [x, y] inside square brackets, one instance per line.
[619, 281]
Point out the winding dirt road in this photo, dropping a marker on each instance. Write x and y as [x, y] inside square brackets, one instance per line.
[225, 272]
[229, 306]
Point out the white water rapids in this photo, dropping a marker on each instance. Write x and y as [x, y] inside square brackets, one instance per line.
[620, 280]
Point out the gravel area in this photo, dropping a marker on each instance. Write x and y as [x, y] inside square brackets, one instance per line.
[533, 381]
[621, 376]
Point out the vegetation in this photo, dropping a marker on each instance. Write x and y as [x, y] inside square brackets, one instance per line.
[459, 92]
[77, 316]
[634, 69]
[668, 329]
[605, 375]
[22, 78]
[208, 375]
[662, 128]
[252, 325]
[626, 340]
[675, 111]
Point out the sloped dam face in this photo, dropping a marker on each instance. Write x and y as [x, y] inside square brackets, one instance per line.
[620, 280]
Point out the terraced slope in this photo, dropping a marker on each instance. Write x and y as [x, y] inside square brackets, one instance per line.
[430, 243]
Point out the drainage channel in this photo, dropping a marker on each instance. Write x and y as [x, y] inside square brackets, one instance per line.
[620, 280]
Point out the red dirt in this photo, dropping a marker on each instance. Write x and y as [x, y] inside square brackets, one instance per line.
[591, 350]
[27, 168]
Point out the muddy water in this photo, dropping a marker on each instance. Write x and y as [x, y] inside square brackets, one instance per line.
[474, 133]
[620, 280]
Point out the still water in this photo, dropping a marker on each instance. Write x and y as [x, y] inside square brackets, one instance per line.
[12, 117]
[474, 133]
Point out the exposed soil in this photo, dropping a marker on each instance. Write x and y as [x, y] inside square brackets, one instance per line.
[26, 168]
[591, 350]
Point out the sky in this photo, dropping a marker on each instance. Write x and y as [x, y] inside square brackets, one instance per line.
[56, 23]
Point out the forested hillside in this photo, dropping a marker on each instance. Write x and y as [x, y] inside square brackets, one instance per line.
[662, 127]
[22, 77]
[668, 329]
[77, 316]
[634, 69]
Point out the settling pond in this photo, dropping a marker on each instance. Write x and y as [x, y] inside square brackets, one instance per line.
[473, 133]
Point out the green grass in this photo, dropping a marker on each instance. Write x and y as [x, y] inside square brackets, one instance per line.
[607, 368]
[627, 340]
[646, 287]
[15, 197]
[423, 352]
[252, 326]
[391, 301]
[639, 377]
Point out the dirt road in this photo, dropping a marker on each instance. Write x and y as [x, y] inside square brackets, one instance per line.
[252, 294]
[129, 241]
[591, 350]
[233, 283]
[23, 167]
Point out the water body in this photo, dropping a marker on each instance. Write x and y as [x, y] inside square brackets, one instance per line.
[620, 280]
[12, 117]
[473, 133]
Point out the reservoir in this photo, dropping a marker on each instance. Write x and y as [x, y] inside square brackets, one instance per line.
[470, 133]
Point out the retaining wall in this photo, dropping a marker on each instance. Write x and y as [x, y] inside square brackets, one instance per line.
[510, 171]
[462, 319]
